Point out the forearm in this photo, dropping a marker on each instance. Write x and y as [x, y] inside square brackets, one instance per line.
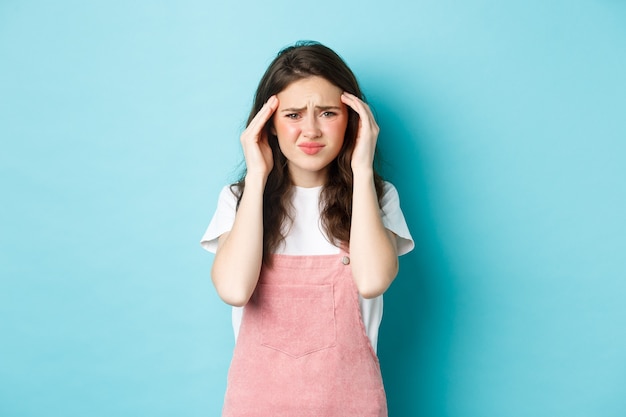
[373, 252]
[239, 256]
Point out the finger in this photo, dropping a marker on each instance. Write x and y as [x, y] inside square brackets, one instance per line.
[262, 117]
[264, 114]
[359, 106]
[352, 100]
[356, 104]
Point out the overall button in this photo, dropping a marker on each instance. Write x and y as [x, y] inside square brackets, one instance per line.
[345, 260]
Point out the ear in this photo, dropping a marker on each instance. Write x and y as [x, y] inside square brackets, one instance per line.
[272, 129]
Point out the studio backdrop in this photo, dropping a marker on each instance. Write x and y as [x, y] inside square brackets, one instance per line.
[502, 126]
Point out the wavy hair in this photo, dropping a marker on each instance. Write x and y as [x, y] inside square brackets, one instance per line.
[302, 60]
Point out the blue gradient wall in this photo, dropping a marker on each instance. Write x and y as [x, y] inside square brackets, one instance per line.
[502, 126]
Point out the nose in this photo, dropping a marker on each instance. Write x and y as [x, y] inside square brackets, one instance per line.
[311, 129]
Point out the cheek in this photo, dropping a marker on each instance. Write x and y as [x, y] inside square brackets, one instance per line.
[337, 128]
[286, 129]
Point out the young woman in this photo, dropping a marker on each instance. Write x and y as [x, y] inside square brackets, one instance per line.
[305, 245]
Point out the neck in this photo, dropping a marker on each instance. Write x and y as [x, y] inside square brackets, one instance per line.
[309, 179]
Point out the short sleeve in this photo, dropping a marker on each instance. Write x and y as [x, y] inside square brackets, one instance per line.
[393, 218]
[222, 220]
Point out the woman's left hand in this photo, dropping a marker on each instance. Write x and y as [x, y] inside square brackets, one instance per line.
[367, 135]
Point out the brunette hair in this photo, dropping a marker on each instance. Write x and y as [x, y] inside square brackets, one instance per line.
[302, 60]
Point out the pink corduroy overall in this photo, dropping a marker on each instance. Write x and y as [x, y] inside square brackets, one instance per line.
[302, 350]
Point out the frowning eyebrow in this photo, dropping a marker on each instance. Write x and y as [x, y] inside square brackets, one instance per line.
[318, 108]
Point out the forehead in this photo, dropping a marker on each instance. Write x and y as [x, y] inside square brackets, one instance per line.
[310, 89]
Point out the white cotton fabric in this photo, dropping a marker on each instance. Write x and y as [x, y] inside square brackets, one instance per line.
[306, 237]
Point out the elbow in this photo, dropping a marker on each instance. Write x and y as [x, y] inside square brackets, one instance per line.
[234, 300]
[228, 290]
[232, 296]
[375, 285]
[373, 290]
[371, 293]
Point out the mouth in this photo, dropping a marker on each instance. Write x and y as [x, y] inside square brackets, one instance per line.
[311, 148]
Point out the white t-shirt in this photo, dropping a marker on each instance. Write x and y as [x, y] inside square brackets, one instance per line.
[306, 237]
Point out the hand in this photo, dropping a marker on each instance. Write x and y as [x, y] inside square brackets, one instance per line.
[254, 141]
[367, 135]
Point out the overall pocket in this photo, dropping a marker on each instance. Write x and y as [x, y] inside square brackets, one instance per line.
[297, 319]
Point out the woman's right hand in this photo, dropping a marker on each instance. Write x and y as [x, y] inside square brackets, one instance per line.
[239, 255]
[255, 144]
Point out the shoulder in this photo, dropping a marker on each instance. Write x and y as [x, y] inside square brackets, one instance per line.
[223, 218]
[233, 189]
[389, 187]
[393, 218]
[229, 194]
[390, 194]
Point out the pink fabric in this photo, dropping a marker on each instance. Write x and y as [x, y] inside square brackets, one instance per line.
[302, 349]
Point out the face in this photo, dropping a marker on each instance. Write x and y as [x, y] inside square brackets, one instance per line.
[310, 124]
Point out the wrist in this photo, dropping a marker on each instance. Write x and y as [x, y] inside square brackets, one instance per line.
[255, 180]
[363, 174]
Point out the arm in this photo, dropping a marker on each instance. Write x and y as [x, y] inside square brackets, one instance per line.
[239, 252]
[373, 248]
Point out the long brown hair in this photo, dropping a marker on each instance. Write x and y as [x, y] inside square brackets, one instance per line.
[302, 60]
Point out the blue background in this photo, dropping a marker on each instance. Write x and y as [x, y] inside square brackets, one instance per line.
[502, 126]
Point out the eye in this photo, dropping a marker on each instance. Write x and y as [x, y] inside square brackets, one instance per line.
[329, 114]
[292, 116]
